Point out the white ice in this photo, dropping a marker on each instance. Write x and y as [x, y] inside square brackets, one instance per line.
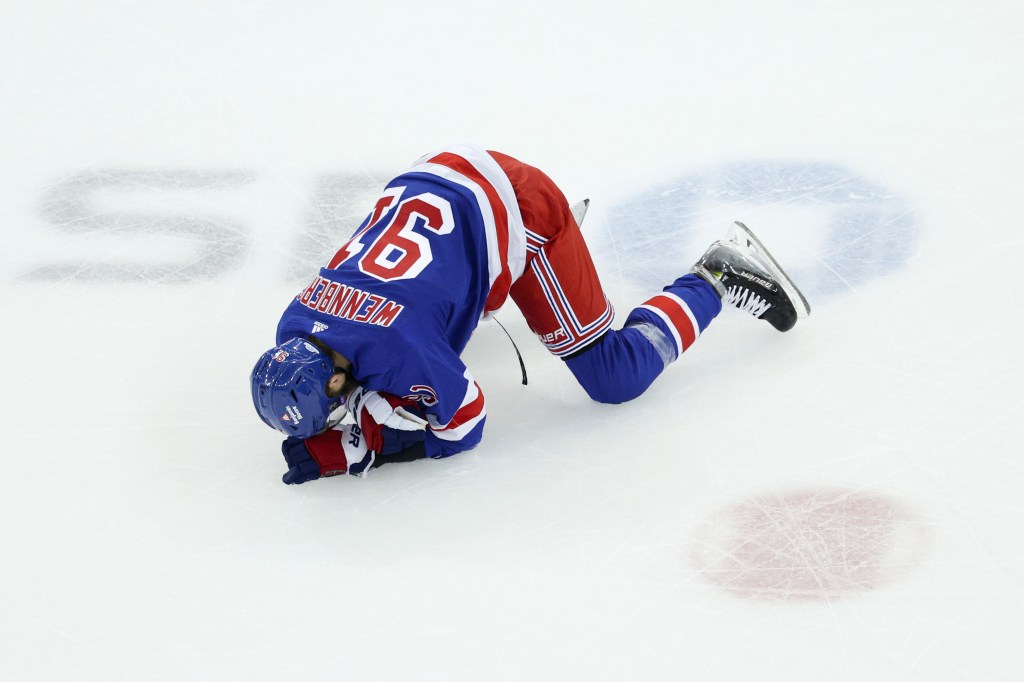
[841, 502]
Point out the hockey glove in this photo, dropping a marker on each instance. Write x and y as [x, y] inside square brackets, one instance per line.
[386, 427]
[333, 452]
[388, 424]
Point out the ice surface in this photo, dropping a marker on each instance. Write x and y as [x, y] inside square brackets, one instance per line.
[841, 502]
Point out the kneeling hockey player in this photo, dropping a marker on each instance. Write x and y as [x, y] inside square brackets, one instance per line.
[379, 331]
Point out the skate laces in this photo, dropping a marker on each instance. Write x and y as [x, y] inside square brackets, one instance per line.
[747, 300]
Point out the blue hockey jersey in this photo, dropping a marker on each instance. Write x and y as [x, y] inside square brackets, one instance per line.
[438, 252]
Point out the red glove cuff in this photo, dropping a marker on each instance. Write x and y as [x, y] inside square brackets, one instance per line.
[372, 431]
[327, 450]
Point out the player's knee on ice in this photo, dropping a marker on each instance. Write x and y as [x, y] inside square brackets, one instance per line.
[617, 368]
[622, 364]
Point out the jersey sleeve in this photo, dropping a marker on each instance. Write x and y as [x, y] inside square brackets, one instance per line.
[463, 430]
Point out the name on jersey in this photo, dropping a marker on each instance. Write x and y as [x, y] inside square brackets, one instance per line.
[348, 303]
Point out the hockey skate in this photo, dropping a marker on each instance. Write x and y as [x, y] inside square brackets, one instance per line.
[747, 277]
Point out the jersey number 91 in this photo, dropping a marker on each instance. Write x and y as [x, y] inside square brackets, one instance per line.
[401, 250]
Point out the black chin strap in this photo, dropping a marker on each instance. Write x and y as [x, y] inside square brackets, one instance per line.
[522, 365]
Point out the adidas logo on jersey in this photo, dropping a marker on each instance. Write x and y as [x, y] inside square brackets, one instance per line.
[319, 327]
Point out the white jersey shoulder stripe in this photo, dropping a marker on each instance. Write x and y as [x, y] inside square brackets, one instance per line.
[488, 168]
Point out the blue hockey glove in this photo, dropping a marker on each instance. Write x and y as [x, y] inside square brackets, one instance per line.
[301, 465]
[394, 441]
[385, 428]
[333, 452]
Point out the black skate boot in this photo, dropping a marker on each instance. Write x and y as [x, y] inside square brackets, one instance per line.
[747, 277]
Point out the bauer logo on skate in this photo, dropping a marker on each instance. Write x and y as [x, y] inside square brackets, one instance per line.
[757, 280]
[348, 303]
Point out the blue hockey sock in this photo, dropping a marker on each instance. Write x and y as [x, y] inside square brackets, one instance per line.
[624, 363]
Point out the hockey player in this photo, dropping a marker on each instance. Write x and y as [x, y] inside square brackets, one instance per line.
[378, 333]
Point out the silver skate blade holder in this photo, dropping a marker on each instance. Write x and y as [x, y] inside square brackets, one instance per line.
[740, 231]
[579, 211]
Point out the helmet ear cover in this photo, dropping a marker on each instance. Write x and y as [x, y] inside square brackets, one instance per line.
[289, 389]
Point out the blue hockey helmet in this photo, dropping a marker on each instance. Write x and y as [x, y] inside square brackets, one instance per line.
[289, 389]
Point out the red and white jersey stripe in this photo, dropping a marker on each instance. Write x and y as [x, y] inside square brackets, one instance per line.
[470, 413]
[477, 171]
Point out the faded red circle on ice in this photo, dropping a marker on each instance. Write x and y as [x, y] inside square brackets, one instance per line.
[814, 544]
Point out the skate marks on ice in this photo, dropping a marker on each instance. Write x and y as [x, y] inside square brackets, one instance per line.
[832, 228]
[812, 544]
[179, 226]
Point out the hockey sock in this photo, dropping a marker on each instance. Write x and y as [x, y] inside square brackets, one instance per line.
[624, 363]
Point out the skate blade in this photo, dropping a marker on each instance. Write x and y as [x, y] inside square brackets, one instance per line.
[740, 231]
[579, 211]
